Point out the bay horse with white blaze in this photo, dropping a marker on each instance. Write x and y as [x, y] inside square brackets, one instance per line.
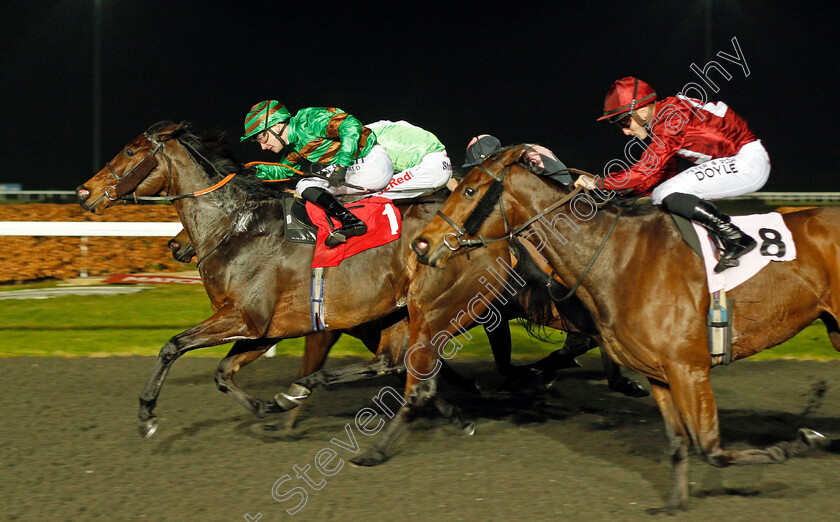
[647, 293]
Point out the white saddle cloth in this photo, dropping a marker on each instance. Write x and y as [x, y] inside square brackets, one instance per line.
[775, 243]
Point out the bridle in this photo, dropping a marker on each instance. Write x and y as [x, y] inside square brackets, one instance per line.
[128, 183]
[459, 241]
[457, 237]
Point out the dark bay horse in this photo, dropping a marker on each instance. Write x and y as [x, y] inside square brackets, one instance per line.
[257, 281]
[646, 292]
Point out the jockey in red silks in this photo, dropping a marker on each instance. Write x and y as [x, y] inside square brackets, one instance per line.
[729, 160]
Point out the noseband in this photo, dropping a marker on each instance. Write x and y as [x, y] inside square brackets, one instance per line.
[474, 221]
[132, 179]
[129, 182]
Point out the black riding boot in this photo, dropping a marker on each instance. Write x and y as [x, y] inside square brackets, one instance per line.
[350, 224]
[731, 239]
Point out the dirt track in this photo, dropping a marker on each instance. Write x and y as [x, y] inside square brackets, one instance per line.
[71, 450]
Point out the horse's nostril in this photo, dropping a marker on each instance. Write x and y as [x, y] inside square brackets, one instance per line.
[421, 246]
[82, 193]
[174, 245]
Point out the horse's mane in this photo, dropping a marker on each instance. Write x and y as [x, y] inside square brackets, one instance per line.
[538, 296]
[631, 205]
[244, 194]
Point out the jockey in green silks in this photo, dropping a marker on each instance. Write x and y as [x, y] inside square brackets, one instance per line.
[333, 145]
[338, 149]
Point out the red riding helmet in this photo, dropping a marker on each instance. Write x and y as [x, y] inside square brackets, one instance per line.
[625, 96]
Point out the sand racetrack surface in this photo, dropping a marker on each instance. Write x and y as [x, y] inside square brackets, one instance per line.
[70, 449]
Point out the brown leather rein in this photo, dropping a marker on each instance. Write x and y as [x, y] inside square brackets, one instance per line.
[125, 186]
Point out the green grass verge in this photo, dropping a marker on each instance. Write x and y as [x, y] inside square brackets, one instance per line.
[140, 323]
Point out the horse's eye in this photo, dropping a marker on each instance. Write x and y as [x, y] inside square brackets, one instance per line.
[129, 152]
[469, 192]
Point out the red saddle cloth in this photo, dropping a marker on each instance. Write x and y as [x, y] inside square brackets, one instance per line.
[383, 222]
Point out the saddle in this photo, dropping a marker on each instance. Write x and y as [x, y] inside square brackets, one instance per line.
[299, 228]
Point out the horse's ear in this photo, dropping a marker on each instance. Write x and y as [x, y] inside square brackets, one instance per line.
[511, 155]
[172, 131]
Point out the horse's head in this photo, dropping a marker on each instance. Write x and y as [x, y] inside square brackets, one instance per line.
[463, 219]
[142, 168]
[182, 247]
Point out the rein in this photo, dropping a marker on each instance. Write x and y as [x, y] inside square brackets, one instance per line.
[128, 183]
[458, 236]
[136, 175]
[588, 265]
[460, 232]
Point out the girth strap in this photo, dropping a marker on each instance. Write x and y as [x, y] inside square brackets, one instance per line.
[317, 300]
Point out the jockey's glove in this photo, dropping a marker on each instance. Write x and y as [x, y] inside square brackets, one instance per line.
[338, 176]
[311, 167]
[586, 182]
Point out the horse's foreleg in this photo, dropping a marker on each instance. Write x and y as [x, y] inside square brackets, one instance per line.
[380, 451]
[678, 443]
[691, 393]
[226, 325]
[453, 414]
[242, 353]
[576, 344]
[420, 388]
[501, 346]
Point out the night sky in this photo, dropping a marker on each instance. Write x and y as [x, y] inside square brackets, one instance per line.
[456, 68]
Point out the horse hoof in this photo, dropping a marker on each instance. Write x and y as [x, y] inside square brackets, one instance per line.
[148, 427]
[293, 399]
[472, 386]
[369, 459]
[265, 408]
[813, 439]
[469, 429]
[629, 387]
[634, 389]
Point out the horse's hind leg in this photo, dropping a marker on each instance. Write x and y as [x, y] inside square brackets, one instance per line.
[223, 326]
[833, 329]
[242, 353]
[315, 350]
[302, 388]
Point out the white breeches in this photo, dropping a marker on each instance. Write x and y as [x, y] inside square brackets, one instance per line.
[372, 172]
[745, 172]
[433, 171]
